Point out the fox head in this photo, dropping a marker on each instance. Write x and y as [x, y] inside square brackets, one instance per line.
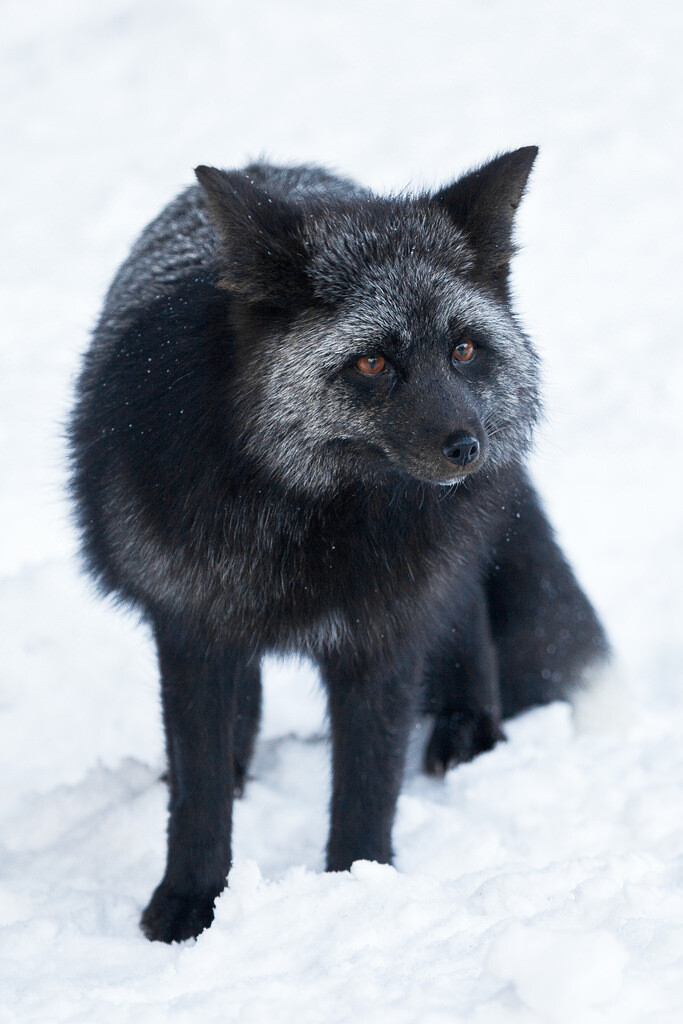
[375, 335]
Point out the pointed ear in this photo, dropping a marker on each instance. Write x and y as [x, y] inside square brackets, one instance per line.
[483, 205]
[262, 253]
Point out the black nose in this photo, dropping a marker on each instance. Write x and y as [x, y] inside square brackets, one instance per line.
[461, 449]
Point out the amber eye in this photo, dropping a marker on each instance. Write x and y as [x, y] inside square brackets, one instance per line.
[371, 364]
[464, 351]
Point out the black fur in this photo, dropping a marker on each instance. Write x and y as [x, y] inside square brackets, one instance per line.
[240, 480]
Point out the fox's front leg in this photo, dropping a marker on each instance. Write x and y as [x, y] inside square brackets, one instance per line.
[199, 682]
[371, 707]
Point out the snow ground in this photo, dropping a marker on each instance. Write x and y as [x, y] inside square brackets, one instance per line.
[544, 882]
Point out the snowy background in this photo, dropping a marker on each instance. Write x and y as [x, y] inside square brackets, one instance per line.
[544, 881]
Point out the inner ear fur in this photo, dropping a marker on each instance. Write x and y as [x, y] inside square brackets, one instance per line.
[483, 203]
[262, 254]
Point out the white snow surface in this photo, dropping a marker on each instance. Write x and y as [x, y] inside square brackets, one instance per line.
[542, 882]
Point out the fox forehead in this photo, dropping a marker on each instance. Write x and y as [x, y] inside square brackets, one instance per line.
[402, 311]
[398, 273]
[416, 305]
[383, 245]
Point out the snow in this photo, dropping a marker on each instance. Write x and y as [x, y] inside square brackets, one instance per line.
[544, 881]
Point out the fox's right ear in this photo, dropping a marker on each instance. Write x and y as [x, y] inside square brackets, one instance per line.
[483, 204]
[262, 253]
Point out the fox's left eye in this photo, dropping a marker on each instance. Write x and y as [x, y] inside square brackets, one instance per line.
[464, 351]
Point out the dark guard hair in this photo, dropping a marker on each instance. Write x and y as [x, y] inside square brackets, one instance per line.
[302, 425]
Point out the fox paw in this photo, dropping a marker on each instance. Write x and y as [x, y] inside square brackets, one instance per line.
[174, 916]
[459, 737]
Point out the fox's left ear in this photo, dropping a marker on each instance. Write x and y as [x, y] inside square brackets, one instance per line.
[483, 204]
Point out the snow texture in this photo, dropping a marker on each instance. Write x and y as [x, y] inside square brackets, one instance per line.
[544, 881]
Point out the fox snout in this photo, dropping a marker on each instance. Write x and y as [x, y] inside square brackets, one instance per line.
[438, 459]
[461, 449]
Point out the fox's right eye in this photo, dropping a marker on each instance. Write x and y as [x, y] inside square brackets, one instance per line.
[371, 365]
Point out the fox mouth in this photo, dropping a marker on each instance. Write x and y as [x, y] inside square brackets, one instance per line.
[439, 475]
[451, 480]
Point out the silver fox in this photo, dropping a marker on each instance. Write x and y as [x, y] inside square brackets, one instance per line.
[302, 425]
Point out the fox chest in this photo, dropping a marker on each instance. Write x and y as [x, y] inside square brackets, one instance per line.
[312, 588]
[288, 582]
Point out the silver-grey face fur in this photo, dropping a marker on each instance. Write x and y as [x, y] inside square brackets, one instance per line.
[403, 292]
[400, 285]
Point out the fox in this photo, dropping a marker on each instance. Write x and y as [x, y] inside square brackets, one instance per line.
[303, 426]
